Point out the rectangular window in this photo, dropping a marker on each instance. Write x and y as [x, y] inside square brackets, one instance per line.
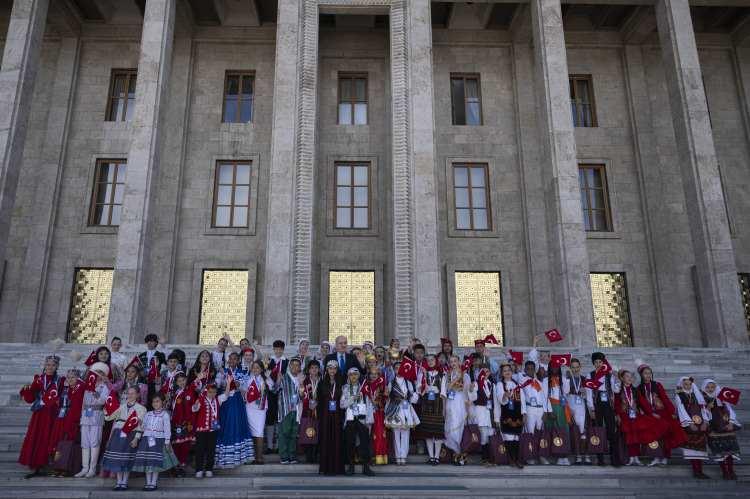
[594, 198]
[121, 102]
[223, 306]
[353, 196]
[582, 101]
[231, 194]
[89, 306]
[609, 293]
[466, 99]
[745, 293]
[238, 97]
[351, 306]
[471, 197]
[352, 99]
[478, 307]
[109, 189]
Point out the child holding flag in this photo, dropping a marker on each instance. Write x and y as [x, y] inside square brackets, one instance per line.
[123, 442]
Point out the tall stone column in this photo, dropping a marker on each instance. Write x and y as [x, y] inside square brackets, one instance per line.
[131, 275]
[23, 45]
[716, 271]
[288, 261]
[417, 284]
[47, 189]
[569, 265]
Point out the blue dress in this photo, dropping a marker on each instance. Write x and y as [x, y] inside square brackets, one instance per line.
[234, 443]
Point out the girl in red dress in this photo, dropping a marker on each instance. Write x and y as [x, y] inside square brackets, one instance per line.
[637, 427]
[374, 388]
[182, 398]
[67, 425]
[43, 394]
[653, 400]
[310, 404]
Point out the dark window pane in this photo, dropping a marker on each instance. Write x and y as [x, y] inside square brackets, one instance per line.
[596, 178]
[118, 86]
[359, 89]
[599, 220]
[472, 88]
[597, 199]
[246, 111]
[345, 89]
[101, 212]
[101, 194]
[457, 100]
[247, 86]
[131, 86]
[233, 85]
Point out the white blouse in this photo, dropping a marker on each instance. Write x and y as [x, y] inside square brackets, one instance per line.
[157, 425]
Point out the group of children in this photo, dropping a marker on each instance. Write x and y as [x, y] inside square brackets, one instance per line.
[367, 405]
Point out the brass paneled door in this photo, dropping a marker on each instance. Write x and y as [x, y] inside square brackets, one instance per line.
[351, 306]
[609, 294]
[89, 306]
[223, 306]
[478, 307]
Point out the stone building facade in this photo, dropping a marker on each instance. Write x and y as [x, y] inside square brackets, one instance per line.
[389, 168]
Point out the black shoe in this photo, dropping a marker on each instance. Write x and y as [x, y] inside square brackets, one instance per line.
[366, 470]
[350, 469]
[117, 488]
[268, 451]
[701, 475]
[33, 474]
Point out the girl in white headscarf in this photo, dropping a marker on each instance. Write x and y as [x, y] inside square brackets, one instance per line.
[694, 418]
[722, 431]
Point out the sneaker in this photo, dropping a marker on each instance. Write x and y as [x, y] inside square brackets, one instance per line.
[198, 474]
[284, 461]
[293, 461]
[543, 460]
[209, 474]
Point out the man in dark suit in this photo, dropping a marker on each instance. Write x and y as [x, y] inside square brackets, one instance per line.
[151, 354]
[344, 359]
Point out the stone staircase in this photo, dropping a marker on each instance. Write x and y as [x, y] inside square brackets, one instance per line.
[18, 363]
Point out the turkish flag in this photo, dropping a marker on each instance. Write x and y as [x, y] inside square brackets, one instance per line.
[482, 378]
[131, 423]
[135, 361]
[276, 370]
[408, 369]
[153, 371]
[91, 358]
[603, 370]
[111, 404]
[467, 364]
[91, 381]
[517, 357]
[592, 384]
[50, 396]
[366, 389]
[553, 335]
[559, 360]
[490, 338]
[729, 395]
[253, 392]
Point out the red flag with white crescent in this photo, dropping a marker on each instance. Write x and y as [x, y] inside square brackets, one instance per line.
[253, 392]
[408, 369]
[729, 395]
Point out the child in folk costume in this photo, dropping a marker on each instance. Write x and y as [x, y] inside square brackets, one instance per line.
[310, 404]
[375, 388]
[91, 418]
[510, 413]
[330, 441]
[182, 398]
[577, 395]
[256, 406]
[694, 418]
[206, 428]
[601, 405]
[203, 370]
[535, 395]
[154, 453]
[357, 421]
[558, 414]
[123, 442]
[167, 376]
[722, 436]
[65, 429]
[234, 442]
[400, 415]
[289, 390]
[43, 394]
[653, 400]
[480, 394]
[132, 379]
[634, 425]
[432, 391]
[457, 384]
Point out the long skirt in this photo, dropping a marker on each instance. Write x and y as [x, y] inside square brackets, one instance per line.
[331, 442]
[154, 459]
[723, 445]
[432, 419]
[256, 418]
[379, 438]
[234, 442]
[119, 455]
[455, 418]
[37, 444]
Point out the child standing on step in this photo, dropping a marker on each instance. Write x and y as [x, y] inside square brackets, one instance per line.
[694, 418]
[183, 420]
[400, 415]
[123, 442]
[154, 453]
[206, 427]
[722, 435]
[92, 420]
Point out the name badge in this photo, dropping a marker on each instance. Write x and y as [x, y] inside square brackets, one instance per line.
[358, 409]
[431, 396]
[405, 404]
[123, 434]
[62, 412]
[295, 399]
[178, 430]
[332, 405]
[631, 413]
[579, 400]
[451, 395]
[88, 412]
[511, 405]
[532, 400]
[151, 442]
[215, 425]
[604, 397]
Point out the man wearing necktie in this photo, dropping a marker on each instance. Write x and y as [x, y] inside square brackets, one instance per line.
[220, 354]
[344, 359]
